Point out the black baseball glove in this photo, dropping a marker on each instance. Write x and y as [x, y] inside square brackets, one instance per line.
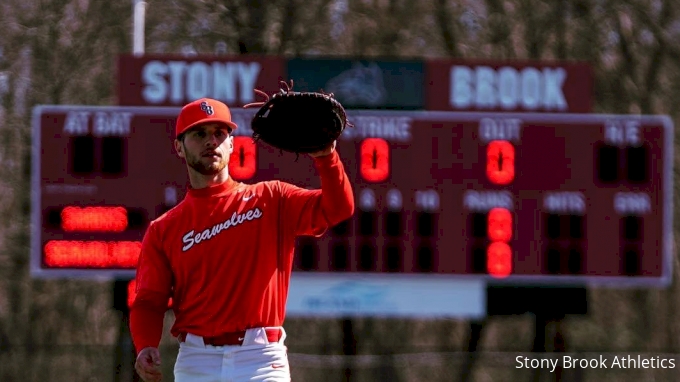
[298, 122]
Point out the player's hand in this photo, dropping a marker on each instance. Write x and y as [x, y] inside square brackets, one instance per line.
[148, 364]
[325, 151]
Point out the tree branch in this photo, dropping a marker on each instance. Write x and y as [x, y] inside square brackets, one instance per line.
[629, 63]
[499, 34]
[535, 34]
[288, 20]
[560, 29]
[444, 21]
[649, 87]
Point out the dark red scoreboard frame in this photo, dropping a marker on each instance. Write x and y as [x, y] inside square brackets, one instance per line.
[526, 198]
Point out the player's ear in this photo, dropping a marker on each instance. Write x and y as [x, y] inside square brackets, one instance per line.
[179, 147]
[231, 144]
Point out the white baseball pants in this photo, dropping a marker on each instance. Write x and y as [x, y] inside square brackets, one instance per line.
[256, 360]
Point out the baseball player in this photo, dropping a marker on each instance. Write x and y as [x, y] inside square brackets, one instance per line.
[224, 254]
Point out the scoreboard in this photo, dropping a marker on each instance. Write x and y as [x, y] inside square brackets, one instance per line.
[518, 198]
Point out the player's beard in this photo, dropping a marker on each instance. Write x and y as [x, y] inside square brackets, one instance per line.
[198, 163]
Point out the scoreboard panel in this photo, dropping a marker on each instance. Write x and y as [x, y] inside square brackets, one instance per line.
[526, 198]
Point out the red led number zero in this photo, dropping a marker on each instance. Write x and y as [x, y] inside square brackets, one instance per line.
[500, 162]
[499, 226]
[243, 160]
[499, 259]
[375, 159]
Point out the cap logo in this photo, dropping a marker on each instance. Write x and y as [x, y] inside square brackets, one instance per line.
[207, 108]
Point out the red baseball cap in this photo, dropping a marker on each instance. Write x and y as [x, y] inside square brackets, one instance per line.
[204, 110]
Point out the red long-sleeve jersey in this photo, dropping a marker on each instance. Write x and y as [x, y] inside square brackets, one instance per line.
[225, 253]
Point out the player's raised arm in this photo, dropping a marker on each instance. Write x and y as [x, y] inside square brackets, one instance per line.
[153, 283]
[312, 212]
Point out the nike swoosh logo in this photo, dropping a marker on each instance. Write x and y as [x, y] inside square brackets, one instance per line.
[275, 366]
[241, 338]
[246, 198]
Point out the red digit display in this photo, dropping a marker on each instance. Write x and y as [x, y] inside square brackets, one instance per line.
[499, 225]
[94, 219]
[499, 259]
[243, 160]
[499, 252]
[375, 160]
[92, 254]
[500, 162]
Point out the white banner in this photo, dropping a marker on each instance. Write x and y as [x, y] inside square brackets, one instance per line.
[426, 296]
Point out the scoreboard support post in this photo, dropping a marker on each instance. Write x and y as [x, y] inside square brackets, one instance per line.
[548, 304]
[349, 346]
[476, 328]
[125, 352]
